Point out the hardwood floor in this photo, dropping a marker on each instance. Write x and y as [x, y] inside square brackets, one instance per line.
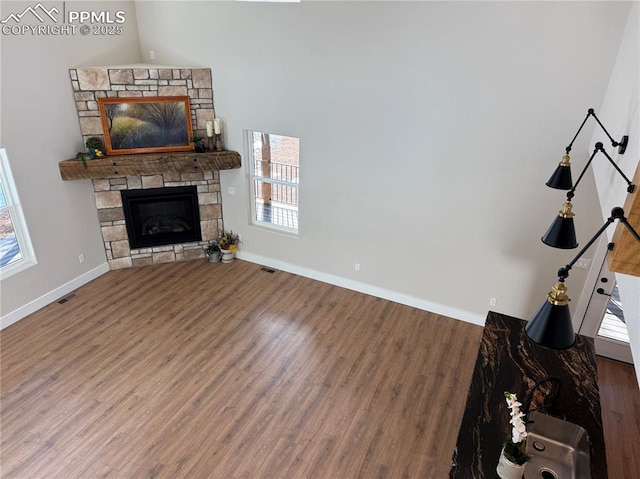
[199, 370]
[194, 370]
[620, 399]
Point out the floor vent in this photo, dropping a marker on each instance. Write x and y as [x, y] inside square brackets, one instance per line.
[66, 298]
[268, 270]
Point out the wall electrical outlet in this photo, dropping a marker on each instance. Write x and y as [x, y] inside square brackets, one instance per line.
[152, 55]
[231, 190]
[357, 267]
[493, 301]
[81, 258]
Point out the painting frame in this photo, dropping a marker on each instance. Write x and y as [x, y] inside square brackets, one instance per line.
[158, 124]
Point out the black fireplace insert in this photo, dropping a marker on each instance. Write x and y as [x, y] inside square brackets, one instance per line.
[161, 216]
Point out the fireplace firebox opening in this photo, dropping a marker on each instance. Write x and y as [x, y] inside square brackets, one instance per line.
[161, 216]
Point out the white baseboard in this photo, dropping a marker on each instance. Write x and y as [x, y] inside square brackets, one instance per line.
[412, 301]
[52, 296]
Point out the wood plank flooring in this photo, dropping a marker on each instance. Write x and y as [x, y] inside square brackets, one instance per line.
[195, 370]
[226, 371]
[620, 400]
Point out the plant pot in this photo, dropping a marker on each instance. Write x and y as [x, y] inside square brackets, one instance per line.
[507, 469]
[214, 257]
[200, 147]
[227, 255]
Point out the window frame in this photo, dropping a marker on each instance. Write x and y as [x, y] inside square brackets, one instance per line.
[14, 207]
[252, 178]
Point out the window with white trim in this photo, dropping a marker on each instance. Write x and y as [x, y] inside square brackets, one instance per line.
[274, 170]
[16, 252]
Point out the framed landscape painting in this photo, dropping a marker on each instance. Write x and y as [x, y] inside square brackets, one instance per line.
[146, 125]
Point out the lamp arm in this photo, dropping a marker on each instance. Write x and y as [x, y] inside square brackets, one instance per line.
[630, 186]
[600, 148]
[564, 272]
[589, 113]
[633, 232]
[622, 145]
[617, 213]
[614, 143]
[571, 192]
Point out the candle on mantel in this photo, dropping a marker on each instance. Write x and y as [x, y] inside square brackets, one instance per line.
[209, 125]
[216, 126]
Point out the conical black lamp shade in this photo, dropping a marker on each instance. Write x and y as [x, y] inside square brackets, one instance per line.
[562, 232]
[551, 325]
[561, 178]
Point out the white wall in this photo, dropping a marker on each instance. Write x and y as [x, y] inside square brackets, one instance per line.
[620, 115]
[40, 128]
[427, 131]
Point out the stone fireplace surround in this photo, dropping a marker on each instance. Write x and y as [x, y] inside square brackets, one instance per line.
[112, 224]
[142, 80]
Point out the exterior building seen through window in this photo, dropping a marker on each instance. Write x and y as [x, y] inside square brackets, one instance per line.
[275, 167]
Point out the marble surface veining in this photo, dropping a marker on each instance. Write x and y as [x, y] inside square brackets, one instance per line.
[509, 361]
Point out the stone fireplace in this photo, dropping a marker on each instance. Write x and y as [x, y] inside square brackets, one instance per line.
[114, 174]
[114, 229]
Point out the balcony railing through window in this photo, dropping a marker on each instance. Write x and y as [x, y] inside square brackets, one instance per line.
[276, 192]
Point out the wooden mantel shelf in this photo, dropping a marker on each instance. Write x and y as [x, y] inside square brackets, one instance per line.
[118, 166]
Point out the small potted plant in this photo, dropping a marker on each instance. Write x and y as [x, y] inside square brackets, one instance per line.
[514, 453]
[212, 250]
[198, 143]
[95, 147]
[228, 243]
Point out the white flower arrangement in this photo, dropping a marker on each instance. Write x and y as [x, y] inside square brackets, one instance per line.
[515, 449]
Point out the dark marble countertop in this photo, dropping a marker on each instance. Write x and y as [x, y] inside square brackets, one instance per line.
[509, 361]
